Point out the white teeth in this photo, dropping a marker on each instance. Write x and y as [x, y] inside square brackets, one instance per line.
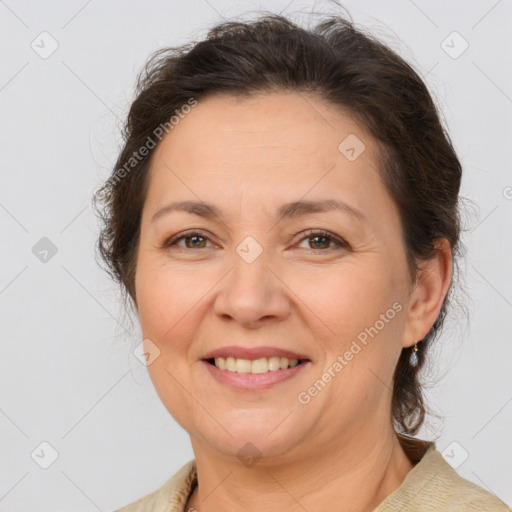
[259, 365]
[243, 366]
[262, 365]
[274, 363]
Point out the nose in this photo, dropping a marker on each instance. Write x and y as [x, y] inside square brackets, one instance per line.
[252, 294]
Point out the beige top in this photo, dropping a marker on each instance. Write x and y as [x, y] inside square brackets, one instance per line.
[431, 486]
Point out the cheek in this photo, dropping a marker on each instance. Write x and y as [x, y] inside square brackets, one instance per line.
[361, 309]
[169, 301]
[350, 298]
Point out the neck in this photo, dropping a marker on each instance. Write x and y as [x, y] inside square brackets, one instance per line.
[359, 474]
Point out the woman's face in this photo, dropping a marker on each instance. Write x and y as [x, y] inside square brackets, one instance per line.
[251, 278]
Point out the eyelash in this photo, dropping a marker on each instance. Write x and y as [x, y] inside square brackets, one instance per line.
[309, 234]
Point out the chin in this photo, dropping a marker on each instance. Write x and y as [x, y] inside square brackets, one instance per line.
[250, 441]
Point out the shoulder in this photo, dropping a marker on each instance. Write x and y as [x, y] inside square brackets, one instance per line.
[460, 494]
[171, 497]
[434, 485]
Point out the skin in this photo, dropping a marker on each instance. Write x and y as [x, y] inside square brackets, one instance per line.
[248, 157]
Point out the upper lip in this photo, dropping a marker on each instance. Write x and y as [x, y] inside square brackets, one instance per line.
[253, 353]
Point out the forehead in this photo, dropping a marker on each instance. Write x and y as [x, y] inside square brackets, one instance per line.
[279, 127]
[272, 139]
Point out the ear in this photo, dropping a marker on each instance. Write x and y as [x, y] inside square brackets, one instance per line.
[432, 283]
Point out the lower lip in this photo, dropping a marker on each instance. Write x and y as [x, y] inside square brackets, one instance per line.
[254, 381]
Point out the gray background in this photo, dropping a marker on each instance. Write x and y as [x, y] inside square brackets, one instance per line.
[69, 376]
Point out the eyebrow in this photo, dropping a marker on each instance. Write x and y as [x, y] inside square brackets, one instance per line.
[288, 210]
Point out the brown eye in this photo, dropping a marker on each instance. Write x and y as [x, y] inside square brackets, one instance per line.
[322, 239]
[193, 240]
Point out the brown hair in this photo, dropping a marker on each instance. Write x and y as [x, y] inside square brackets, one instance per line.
[341, 65]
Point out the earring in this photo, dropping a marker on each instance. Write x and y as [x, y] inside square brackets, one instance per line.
[414, 357]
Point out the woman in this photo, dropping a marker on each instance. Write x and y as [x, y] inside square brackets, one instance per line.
[284, 217]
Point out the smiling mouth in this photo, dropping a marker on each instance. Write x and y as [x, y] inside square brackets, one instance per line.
[254, 366]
